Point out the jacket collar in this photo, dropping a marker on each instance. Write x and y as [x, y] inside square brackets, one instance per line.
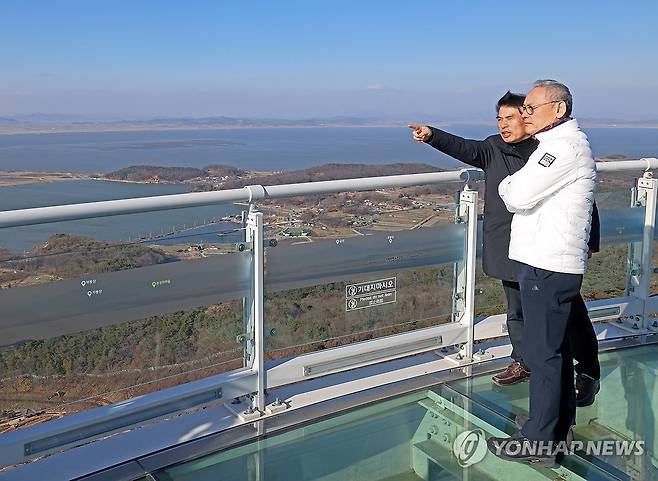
[554, 124]
[510, 148]
[565, 128]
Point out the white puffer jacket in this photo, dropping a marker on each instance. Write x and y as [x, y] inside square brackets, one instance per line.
[551, 198]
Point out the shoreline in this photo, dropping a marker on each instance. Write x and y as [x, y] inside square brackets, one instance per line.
[28, 177]
[99, 129]
[10, 178]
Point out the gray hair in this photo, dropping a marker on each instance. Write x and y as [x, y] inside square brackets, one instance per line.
[557, 91]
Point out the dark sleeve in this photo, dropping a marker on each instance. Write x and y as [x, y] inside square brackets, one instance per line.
[477, 153]
[595, 232]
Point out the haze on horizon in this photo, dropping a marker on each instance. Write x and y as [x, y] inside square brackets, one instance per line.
[288, 59]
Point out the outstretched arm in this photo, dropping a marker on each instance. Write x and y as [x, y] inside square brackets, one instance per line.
[477, 153]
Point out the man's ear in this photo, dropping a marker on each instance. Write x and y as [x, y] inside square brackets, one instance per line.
[561, 109]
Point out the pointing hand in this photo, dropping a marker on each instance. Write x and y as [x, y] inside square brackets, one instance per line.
[421, 133]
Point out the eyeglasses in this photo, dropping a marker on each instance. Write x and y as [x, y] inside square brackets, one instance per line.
[530, 109]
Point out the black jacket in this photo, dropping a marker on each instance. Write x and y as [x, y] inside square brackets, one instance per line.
[498, 159]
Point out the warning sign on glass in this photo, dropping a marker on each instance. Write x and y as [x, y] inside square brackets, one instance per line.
[370, 294]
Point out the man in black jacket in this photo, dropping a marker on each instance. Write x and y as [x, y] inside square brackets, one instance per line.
[499, 156]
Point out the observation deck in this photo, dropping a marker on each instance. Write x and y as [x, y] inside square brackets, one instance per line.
[230, 352]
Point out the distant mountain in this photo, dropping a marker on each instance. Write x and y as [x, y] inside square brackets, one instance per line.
[615, 121]
[71, 123]
[75, 123]
[39, 117]
[258, 122]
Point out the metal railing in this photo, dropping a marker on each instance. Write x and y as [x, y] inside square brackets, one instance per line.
[630, 313]
[249, 194]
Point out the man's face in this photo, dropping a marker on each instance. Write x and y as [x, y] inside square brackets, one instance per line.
[544, 110]
[510, 125]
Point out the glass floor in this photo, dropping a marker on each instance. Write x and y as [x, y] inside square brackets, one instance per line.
[413, 437]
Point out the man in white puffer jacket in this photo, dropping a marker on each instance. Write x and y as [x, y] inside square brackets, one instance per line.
[551, 198]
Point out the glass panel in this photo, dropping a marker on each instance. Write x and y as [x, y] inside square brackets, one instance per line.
[624, 409]
[489, 294]
[344, 290]
[606, 270]
[86, 322]
[606, 273]
[613, 199]
[410, 438]
[109, 284]
[152, 225]
[621, 225]
[70, 373]
[613, 192]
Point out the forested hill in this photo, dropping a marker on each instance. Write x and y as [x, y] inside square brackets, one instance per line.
[141, 173]
[234, 177]
[332, 172]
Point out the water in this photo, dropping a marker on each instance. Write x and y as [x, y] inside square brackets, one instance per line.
[124, 227]
[262, 149]
[251, 149]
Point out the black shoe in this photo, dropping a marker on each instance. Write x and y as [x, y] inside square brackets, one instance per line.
[586, 389]
[522, 450]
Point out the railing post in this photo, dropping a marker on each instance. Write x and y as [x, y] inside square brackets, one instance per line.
[640, 255]
[464, 295]
[459, 274]
[634, 250]
[256, 238]
[247, 303]
[647, 190]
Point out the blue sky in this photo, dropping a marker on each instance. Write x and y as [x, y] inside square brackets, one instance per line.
[136, 59]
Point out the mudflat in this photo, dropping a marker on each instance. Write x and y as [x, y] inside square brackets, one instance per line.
[9, 178]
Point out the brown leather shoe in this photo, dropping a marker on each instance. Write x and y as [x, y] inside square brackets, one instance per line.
[513, 374]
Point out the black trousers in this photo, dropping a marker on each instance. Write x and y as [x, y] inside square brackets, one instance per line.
[582, 338]
[547, 299]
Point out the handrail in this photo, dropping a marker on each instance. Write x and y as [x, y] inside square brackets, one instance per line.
[626, 165]
[45, 215]
[251, 193]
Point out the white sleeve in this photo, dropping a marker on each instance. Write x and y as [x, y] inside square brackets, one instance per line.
[550, 168]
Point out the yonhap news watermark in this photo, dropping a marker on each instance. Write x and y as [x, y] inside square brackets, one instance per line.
[606, 447]
[470, 447]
